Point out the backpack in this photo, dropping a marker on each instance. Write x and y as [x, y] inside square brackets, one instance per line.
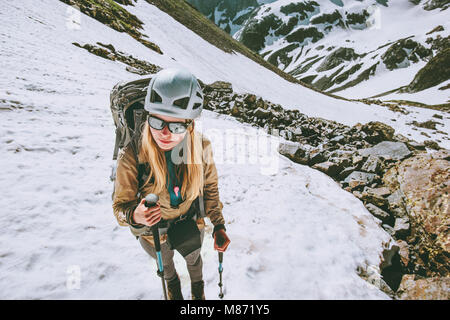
[127, 108]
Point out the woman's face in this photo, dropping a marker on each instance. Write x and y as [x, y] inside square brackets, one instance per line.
[165, 139]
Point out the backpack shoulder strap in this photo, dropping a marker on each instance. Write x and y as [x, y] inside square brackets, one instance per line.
[200, 197]
[138, 122]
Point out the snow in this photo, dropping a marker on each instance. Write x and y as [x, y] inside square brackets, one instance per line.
[295, 233]
[389, 24]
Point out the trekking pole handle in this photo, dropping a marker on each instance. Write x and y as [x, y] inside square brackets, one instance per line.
[151, 200]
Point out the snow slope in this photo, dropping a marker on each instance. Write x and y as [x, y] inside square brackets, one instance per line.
[59, 238]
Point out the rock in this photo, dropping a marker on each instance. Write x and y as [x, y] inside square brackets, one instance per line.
[373, 276]
[389, 229]
[342, 162]
[402, 228]
[250, 99]
[294, 151]
[433, 73]
[404, 51]
[344, 173]
[219, 86]
[376, 196]
[416, 145]
[340, 139]
[372, 164]
[262, 113]
[377, 131]
[297, 131]
[379, 213]
[435, 288]
[357, 159]
[387, 150]
[316, 156]
[356, 193]
[358, 178]
[261, 104]
[403, 252]
[424, 182]
[431, 144]
[328, 168]
[396, 204]
[110, 47]
[430, 124]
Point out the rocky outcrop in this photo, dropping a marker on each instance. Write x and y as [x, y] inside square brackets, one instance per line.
[435, 4]
[424, 183]
[126, 2]
[424, 289]
[254, 33]
[398, 181]
[436, 71]
[336, 58]
[108, 51]
[403, 52]
[116, 17]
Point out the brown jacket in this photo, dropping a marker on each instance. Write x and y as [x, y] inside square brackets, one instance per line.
[127, 195]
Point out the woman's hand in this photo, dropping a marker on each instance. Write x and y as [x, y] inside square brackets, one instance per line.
[221, 240]
[147, 216]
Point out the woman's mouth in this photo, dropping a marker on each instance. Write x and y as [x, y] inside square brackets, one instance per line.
[165, 141]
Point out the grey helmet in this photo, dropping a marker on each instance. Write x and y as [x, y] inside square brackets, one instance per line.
[176, 93]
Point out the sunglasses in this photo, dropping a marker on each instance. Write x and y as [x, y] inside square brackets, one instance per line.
[174, 127]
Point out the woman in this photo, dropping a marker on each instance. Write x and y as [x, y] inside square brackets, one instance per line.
[179, 168]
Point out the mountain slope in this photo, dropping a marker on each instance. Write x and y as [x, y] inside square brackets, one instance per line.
[57, 141]
[352, 48]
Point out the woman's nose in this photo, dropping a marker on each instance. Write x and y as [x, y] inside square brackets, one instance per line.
[165, 131]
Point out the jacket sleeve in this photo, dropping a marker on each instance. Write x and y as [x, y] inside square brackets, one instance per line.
[213, 205]
[125, 198]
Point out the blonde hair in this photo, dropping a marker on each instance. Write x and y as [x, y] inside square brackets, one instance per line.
[191, 167]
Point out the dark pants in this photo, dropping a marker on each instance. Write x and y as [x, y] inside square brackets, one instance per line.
[194, 261]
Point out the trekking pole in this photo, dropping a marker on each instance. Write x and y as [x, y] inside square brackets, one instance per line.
[220, 274]
[150, 201]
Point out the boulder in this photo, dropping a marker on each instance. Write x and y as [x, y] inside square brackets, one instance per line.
[294, 151]
[402, 228]
[376, 196]
[316, 156]
[377, 131]
[372, 164]
[328, 168]
[262, 113]
[396, 204]
[431, 144]
[388, 150]
[346, 172]
[389, 229]
[384, 216]
[403, 252]
[434, 288]
[219, 86]
[358, 178]
[250, 99]
[423, 186]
